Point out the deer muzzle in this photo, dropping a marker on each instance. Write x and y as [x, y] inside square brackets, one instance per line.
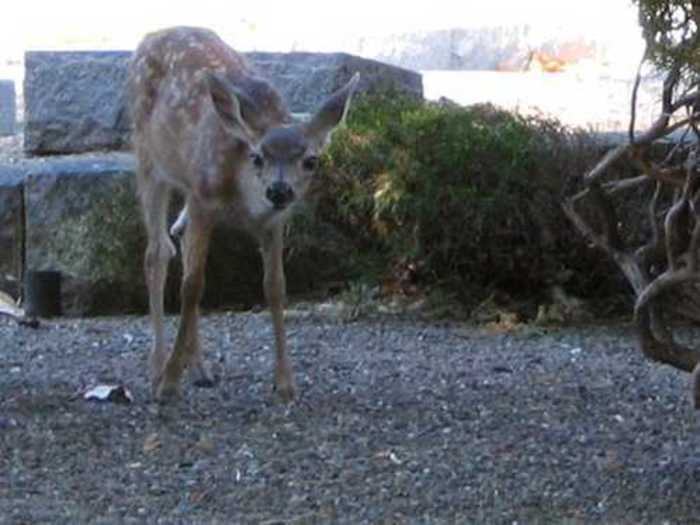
[280, 194]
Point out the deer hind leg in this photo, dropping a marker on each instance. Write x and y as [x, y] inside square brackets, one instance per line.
[275, 290]
[195, 246]
[155, 197]
[199, 370]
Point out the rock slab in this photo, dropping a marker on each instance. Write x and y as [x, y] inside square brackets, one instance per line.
[11, 229]
[75, 101]
[305, 80]
[82, 220]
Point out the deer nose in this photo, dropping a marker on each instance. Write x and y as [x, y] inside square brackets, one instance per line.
[280, 194]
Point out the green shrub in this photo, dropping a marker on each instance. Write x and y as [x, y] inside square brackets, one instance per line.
[467, 197]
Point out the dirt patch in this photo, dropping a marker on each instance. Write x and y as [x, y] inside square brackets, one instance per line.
[399, 421]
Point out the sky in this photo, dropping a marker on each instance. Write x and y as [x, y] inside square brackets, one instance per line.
[319, 25]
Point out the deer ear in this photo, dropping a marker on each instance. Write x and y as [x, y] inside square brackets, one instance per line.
[231, 105]
[332, 112]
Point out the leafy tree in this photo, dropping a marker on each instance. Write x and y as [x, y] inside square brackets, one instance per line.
[670, 28]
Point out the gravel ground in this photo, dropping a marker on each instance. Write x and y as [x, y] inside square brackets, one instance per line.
[399, 421]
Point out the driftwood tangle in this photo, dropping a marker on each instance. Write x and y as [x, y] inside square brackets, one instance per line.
[662, 270]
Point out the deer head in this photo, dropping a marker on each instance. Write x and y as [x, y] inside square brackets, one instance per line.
[281, 159]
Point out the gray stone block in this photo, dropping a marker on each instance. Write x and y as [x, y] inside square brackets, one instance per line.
[82, 220]
[8, 108]
[75, 101]
[306, 79]
[11, 228]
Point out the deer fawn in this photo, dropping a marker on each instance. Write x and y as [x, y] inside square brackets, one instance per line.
[207, 127]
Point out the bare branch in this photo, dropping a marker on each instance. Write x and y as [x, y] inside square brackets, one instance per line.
[663, 283]
[610, 157]
[667, 352]
[695, 236]
[584, 228]
[674, 175]
[635, 90]
[608, 216]
[670, 226]
[659, 129]
[611, 188]
[655, 245]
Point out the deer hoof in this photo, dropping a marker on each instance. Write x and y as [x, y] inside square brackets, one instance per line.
[205, 380]
[167, 392]
[202, 376]
[287, 392]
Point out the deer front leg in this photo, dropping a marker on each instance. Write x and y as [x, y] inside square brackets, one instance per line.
[275, 290]
[195, 246]
[154, 199]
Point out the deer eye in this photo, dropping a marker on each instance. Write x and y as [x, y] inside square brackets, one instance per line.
[258, 160]
[310, 163]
